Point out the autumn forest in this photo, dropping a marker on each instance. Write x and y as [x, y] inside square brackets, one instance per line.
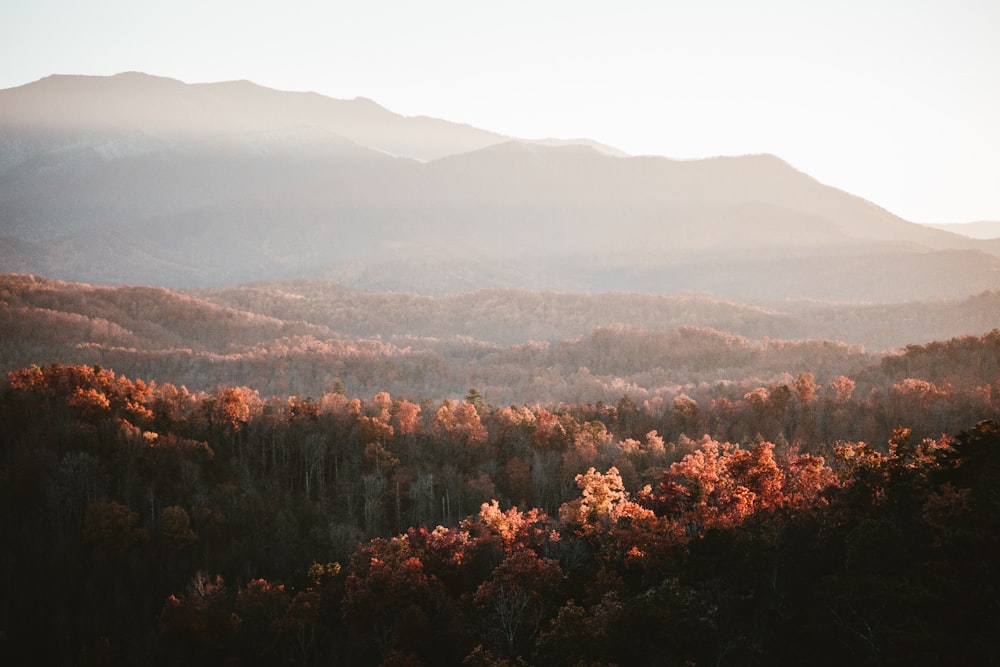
[146, 523]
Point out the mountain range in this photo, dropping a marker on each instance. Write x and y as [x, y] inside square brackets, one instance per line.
[137, 179]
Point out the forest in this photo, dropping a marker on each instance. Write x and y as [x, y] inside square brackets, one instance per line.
[843, 516]
[515, 346]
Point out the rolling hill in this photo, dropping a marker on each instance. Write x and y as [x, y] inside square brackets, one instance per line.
[305, 337]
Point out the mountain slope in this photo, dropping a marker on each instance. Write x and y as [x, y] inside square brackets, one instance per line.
[136, 102]
[304, 337]
[139, 179]
[982, 229]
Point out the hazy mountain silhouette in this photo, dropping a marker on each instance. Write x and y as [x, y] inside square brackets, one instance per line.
[160, 107]
[981, 229]
[141, 179]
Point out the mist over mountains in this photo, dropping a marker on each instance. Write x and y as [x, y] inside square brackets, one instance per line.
[145, 180]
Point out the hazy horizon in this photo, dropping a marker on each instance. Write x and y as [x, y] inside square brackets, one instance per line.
[895, 105]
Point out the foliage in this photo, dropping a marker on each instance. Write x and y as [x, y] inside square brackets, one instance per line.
[145, 523]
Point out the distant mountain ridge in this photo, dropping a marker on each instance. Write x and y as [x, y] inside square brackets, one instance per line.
[981, 229]
[152, 105]
[146, 180]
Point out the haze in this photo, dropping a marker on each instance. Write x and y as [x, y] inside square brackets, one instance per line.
[895, 103]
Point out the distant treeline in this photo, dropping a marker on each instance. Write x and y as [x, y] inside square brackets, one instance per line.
[515, 347]
[147, 524]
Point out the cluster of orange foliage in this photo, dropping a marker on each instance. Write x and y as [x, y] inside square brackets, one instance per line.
[489, 535]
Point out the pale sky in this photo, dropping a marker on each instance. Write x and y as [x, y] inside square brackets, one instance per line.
[895, 101]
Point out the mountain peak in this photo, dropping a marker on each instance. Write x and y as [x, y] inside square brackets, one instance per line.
[582, 142]
[93, 80]
[367, 101]
[142, 76]
[153, 105]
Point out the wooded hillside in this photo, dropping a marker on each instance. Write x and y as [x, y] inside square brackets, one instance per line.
[147, 524]
[515, 347]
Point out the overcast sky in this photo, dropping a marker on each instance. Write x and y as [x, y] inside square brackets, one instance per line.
[895, 101]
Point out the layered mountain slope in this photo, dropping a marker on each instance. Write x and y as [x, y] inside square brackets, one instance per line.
[981, 229]
[306, 337]
[139, 179]
[220, 319]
